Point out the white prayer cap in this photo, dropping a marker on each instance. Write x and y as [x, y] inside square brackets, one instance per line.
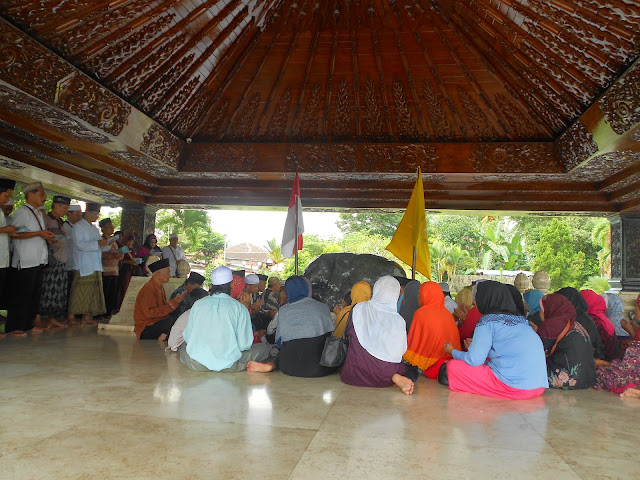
[10, 202]
[252, 279]
[221, 276]
[173, 235]
[75, 208]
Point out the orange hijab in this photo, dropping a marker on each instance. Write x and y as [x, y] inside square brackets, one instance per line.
[431, 328]
[360, 292]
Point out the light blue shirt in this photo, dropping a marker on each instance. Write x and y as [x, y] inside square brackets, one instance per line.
[87, 257]
[515, 354]
[219, 330]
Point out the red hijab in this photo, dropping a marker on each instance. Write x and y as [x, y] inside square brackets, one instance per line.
[597, 308]
[558, 311]
[237, 286]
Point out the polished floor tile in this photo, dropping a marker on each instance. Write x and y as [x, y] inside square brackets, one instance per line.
[77, 404]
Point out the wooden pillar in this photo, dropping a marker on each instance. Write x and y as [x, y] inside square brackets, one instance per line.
[139, 219]
[625, 252]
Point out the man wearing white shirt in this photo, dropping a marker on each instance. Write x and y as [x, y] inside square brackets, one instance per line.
[6, 191]
[30, 255]
[174, 253]
[87, 296]
[74, 215]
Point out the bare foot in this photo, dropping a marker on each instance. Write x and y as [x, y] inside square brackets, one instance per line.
[55, 323]
[36, 330]
[403, 383]
[71, 322]
[260, 367]
[163, 337]
[601, 363]
[17, 333]
[88, 321]
[631, 393]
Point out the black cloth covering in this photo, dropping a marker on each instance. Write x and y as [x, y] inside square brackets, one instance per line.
[411, 303]
[517, 299]
[24, 299]
[301, 357]
[494, 298]
[583, 318]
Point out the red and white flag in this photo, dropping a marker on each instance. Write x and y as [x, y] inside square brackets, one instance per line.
[294, 216]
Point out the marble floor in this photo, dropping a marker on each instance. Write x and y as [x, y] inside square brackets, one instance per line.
[79, 404]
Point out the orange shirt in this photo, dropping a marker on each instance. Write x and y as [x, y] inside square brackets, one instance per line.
[151, 306]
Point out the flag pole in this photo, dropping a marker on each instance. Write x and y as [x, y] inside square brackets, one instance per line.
[295, 245]
[413, 265]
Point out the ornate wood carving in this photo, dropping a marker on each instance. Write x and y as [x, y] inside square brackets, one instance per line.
[214, 123]
[616, 249]
[25, 64]
[160, 144]
[148, 100]
[105, 62]
[224, 157]
[437, 116]
[170, 109]
[509, 157]
[135, 77]
[621, 104]
[575, 146]
[19, 132]
[10, 164]
[361, 157]
[133, 178]
[605, 165]
[84, 98]
[342, 121]
[143, 163]
[280, 118]
[244, 122]
[27, 106]
[372, 116]
[309, 127]
[406, 126]
[514, 118]
[110, 199]
[482, 128]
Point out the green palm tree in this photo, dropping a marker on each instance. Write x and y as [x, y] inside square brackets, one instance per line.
[274, 251]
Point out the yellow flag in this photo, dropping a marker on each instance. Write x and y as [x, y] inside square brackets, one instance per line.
[412, 232]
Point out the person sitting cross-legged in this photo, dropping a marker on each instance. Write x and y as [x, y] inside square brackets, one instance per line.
[151, 312]
[218, 336]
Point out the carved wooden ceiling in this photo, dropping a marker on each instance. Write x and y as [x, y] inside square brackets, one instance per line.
[505, 105]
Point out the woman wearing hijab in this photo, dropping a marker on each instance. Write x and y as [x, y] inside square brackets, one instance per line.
[360, 292]
[473, 317]
[622, 376]
[411, 302]
[596, 308]
[532, 305]
[583, 318]
[567, 345]
[377, 340]
[303, 326]
[506, 358]
[150, 247]
[432, 327]
[517, 299]
[615, 313]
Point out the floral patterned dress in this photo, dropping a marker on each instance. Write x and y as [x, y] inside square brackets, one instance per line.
[621, 374]
[571, 366]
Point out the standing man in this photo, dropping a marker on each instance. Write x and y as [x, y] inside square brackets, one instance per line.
[30, 256]
[53, 302]
[73, 216]
[6, 191]
[174, 253]
[110, 272]
[87, 295]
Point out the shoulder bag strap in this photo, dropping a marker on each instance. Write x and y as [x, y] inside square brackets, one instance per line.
[564, 332]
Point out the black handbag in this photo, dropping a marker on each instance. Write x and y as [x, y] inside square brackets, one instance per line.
[335, 348]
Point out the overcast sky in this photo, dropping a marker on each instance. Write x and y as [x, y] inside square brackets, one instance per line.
[258, 227]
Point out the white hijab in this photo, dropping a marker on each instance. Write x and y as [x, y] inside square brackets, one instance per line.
[379, 327]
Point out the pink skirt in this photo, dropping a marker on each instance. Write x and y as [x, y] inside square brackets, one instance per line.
[482, 381]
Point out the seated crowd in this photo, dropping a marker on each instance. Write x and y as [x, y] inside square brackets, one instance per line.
[494, 342]
[490, 340]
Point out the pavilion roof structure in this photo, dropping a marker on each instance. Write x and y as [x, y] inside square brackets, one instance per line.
[519, 105]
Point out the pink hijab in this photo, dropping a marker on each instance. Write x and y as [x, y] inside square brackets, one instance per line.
[597, 308]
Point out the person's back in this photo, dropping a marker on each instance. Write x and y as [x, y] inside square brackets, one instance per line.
[219, 329]
[517, 355]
